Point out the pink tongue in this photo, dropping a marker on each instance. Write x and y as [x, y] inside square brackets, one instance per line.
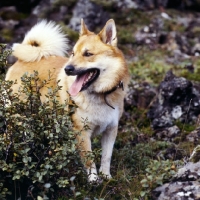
[77, 85]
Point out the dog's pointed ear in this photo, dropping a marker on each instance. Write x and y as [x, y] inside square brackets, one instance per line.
[109, 34]
[83, 30]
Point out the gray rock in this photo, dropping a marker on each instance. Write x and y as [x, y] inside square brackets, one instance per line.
[178, 98]
[168, 133]
[184, 185]
[194, 136]
[138, 4]
[126, 4]
[189, 190]
[189, 172]
[41, 7]
[92, 14]
[51, 10]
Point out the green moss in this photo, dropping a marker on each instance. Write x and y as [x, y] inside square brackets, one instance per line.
[149, 69]
[185, 127]
[107, 5]
[125, 35]
[130, 155]
[71, 34]
[196, 31]
[173, 26]
[191, 76]
[132, 17]
[68, 3]
[7, 15]
[177, 139]
[7, 34]
[186, 148]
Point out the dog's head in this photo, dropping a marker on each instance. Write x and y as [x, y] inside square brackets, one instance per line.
[96, 61]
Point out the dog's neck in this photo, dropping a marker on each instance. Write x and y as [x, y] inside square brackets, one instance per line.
[120, 85]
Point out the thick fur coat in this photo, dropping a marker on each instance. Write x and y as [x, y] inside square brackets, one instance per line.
[95, 76]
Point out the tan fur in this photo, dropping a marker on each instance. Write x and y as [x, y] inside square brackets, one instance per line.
[50, 67]
[91, 102]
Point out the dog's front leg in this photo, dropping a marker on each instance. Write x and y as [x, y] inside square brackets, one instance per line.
[84, 142]
[107, 143]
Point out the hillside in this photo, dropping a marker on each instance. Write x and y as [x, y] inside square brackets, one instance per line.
[160, 126]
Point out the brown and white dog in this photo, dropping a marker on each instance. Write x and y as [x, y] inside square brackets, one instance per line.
[95, 76]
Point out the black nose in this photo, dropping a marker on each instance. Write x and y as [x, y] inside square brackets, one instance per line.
[69, 69]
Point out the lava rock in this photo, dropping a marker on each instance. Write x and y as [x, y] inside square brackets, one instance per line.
[189, 190]
[168, 133]
[194, 136]
[152, 4]
[92, 14]
[190, 172]
[177, 98]
[139, 95]
[184, 185]
[126, 4]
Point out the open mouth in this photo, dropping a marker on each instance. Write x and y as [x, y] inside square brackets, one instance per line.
[83, 80]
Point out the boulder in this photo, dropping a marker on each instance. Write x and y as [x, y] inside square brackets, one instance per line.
[93, 15]
[177, 99]
[184, 185]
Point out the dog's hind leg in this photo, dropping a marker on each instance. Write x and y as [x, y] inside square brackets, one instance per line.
[107, 143]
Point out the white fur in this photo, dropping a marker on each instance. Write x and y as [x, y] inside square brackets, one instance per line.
[93, 108]
[50, 39]
[92, 173]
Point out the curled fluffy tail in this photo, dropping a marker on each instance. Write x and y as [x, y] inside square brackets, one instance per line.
[43, 40]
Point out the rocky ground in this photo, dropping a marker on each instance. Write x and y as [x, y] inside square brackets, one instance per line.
[161, 42]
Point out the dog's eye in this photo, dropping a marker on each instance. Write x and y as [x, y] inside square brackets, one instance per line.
[72, 54]
[87, 54]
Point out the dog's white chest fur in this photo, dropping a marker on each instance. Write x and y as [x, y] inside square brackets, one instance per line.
[98, 114]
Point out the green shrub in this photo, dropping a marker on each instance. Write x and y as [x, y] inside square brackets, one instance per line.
[157, 173]
[4, 53]
[38, 154]
[38, 151]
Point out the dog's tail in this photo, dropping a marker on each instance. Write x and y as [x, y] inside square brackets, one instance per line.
[43, 40]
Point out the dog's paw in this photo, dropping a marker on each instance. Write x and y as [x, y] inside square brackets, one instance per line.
[92, 178]
[106, 176]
